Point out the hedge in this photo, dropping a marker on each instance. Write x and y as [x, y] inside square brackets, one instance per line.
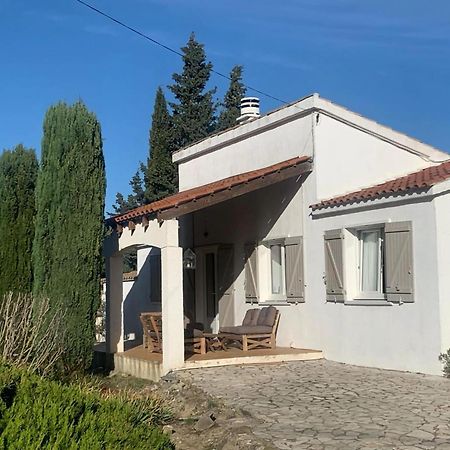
[37, 413]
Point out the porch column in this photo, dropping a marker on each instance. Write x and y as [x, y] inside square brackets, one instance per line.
[172, 307]
[114, 301]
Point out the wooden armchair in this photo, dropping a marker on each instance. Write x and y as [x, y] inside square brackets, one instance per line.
[152, 334]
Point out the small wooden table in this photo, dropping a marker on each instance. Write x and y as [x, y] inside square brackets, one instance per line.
[214, 342]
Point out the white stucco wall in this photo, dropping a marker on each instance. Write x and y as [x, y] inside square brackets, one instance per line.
[260, 149]
[269, 213]
[137, 296]
[442, 207]
[348, 159]
[401, 337]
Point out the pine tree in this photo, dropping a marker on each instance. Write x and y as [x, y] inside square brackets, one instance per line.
[121, 206]
[69, 223]
[18, 172]
[194, 109]
[160, 172]
[232, 100]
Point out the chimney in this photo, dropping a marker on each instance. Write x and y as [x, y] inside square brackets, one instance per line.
[249, 109]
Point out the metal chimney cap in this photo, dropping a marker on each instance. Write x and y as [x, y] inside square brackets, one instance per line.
[249, 109]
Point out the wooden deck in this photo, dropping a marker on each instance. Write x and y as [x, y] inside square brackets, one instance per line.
[140, 362]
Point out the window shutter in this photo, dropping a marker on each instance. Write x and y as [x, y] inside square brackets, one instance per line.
[334, 265]
[398, 262]
[155, 278]
[295, 284]
[251, 274]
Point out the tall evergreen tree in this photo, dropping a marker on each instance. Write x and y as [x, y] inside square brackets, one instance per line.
[160, 172]
[69, 223]
[232, 100]
[194, 109]
[192, 119]
[135, 199]
[18, 172]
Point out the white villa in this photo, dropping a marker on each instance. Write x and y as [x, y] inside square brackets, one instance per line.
[341, 223]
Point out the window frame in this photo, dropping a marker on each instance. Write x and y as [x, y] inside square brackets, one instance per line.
[359, 294]
[380, 263]
[283, 270]
[265, 271]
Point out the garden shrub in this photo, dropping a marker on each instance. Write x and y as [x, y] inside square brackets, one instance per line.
[445, 359]
[37, 413]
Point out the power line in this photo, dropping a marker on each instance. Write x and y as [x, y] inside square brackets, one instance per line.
[166, 47]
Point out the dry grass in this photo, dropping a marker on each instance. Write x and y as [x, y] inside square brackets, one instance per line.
[31, 335]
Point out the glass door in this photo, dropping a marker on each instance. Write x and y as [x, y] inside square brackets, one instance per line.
[211, 292]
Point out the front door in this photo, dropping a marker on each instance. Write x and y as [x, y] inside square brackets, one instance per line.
[207, 310]
[212, 317]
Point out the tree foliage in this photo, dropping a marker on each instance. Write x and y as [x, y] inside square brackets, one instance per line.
[193, 110]
[191, 117]
[69, 223]
[18, 172]
[232, 100]
[160, 174]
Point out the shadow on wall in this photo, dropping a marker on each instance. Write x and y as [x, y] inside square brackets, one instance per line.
[144, 294]
[234, 224]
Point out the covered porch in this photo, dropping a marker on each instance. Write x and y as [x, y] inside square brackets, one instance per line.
[139, 362]
[200, 239]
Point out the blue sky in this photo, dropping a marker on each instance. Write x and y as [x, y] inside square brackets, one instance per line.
[388, 60]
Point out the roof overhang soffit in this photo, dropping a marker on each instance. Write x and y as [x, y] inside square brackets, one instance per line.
[217, 196]
[235, 191]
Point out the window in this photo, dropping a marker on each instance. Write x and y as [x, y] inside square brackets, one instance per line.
[277, 266]
[274, 271]
[370, 262]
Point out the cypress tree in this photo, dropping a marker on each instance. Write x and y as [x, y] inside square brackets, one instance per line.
[194, 109]
[160, 172]
[192, 119]
[18, 172]
[232, 100]
[70, 199]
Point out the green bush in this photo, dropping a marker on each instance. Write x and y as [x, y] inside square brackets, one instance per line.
[36, 413]
[445, 359]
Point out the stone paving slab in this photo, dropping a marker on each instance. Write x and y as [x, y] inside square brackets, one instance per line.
[326, 405]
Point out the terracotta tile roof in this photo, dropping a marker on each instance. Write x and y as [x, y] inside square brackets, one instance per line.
[202, 191]
[421, 180]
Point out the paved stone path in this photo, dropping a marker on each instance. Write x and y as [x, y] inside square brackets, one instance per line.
[326, 405]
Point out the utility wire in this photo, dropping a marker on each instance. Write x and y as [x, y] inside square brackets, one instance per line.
[176, 52]
[154, 41]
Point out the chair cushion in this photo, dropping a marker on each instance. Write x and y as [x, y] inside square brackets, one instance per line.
[247, 329]
[251, 317]
[192, 333]
[267, 316]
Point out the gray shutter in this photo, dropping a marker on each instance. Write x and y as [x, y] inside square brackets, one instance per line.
[251, 274]
[398, 262]
[334, 266]
[295, 284]
[155, 278]
[225, 284]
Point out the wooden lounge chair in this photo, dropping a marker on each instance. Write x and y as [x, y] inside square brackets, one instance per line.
[152, 334]
[258, 329]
